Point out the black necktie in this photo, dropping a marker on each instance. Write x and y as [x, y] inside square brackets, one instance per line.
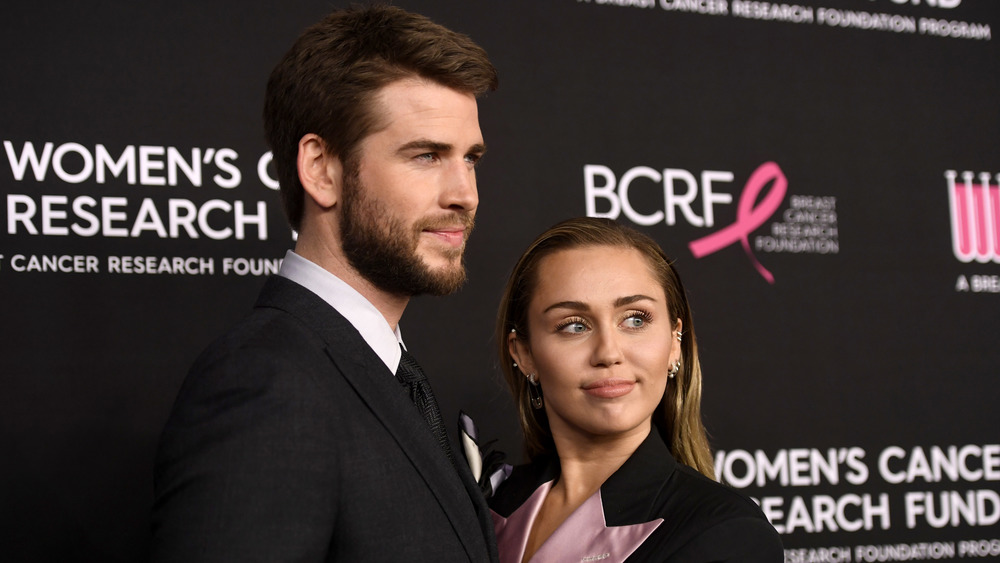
[411, 376]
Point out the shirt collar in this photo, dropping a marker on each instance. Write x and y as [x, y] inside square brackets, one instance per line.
[358, 311]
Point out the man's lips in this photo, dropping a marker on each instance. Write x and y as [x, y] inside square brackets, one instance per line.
[453, 236]
[609, 388]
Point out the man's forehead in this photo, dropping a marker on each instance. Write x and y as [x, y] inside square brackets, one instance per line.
[427, 114]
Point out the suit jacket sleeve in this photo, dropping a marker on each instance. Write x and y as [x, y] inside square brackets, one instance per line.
[244, 472]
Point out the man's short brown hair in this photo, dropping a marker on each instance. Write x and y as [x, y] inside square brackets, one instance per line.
[327, 81]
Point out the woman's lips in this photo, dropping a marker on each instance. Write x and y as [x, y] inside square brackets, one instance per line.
[609, 388]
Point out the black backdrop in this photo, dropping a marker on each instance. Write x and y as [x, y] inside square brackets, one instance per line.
[853, 393]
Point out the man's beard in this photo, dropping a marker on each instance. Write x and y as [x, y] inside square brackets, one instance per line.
[384, 251]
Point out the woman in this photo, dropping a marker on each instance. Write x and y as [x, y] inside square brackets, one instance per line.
[598, 349]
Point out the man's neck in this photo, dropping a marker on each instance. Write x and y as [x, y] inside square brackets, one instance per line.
[331, 258]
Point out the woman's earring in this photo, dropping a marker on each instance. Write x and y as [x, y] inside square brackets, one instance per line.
[674, 369]
[678, 333]
[534, 392]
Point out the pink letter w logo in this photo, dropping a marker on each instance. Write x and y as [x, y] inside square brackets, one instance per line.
[975, 217]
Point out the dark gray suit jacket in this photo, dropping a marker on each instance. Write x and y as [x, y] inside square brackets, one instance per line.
[291, 441]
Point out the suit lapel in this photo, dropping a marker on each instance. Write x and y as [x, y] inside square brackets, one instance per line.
[387, 399]
[642, 476]
[479, 501]
[610, 525]
[390, 404]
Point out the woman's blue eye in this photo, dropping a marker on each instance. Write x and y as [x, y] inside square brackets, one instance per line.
[635, 321]
[574, 327]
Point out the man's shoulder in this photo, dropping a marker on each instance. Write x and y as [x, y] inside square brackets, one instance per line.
[285, 335]
[285, 319]
[264, 332]
[270, 362]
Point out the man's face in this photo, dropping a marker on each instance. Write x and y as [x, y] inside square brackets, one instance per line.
[410, 200]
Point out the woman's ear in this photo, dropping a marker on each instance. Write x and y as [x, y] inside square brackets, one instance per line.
[521, 352]
[677, 335]
[320, 172]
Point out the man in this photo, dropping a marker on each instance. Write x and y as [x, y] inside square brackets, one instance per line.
[296, 437]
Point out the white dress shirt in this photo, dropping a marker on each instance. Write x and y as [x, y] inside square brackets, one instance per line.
[348, 302]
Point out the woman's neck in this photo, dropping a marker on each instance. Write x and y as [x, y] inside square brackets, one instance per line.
[585, 464]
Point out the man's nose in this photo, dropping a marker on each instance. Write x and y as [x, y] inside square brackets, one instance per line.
[460, 187]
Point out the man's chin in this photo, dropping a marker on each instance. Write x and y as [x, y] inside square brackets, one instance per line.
[446, 278]
[441, 259]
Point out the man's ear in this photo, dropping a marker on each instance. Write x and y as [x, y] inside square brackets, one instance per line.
[320, 172]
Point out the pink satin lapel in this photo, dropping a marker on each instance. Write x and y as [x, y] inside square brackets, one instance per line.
[512, 532]
[583, 537]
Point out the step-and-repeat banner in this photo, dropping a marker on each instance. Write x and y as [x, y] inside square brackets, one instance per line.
[825, 174]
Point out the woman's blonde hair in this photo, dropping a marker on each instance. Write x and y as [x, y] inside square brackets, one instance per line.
[678, 417]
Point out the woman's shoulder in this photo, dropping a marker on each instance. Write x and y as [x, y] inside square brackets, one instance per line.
[652, 484]
[702, 520]
[709, 521]
[690, 492]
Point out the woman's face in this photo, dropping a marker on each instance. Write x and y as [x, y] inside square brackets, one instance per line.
[601, 342]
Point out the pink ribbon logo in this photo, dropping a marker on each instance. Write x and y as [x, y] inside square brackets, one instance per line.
[748, 216]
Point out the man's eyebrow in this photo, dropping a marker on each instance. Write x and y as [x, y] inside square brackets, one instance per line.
[436, 146]
[425, 144]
